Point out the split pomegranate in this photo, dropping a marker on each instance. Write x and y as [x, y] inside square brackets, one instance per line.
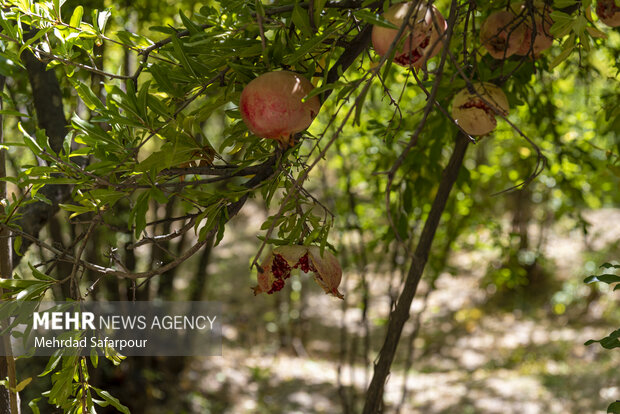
[475, 112]
[501, 34]
[278, 264]
[272, 105]
[608, 12]
[421, 39]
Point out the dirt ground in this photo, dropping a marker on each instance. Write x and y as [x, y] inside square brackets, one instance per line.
[469, 357]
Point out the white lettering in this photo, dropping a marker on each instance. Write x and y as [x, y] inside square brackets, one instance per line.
[87, 320]
[75, 320]
[118, 344]
[56, 320]
[41, 320]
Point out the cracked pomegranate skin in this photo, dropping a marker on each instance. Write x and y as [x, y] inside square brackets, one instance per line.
[500, 34]
[608, 12]
[420, 43]
[272, 105]
[543, 39]
[473, 114]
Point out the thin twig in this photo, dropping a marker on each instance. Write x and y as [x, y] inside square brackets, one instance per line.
[427, 110]
[78, 256]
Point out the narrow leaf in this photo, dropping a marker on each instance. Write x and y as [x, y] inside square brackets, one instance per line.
[76, 17]
[605, 278]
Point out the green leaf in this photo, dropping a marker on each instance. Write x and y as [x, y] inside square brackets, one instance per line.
[57, 5]
[319, 5]
[17, 245]
[102, 19]
[76, 17]
[8, 309]
[94, 133]
[61, 389]
[163, 80]
[30, 141]
[34, 292]
[562, 56]
[301, 20]
[10, 112]
[158, 107]
[143, 96]
[94, 357]
[33, 406]
[37, 274]
[114, 402]
[326, 87]
[88, 96]
[8, 26]
[52, 363]
[308, 46]
[139, 213]
[77, 210]
[609, 342]
[180, 54]
[20, 387]
[372, 18]
[40, 33]
[605, 278]
[563, 24]
[18, 283]
[614, 408]
[579, 26]
[221, 228]
[191, 26]
[133, 39]
[359, 105]
[259, 7]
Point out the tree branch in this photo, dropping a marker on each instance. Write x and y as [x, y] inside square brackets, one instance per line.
[7, 363]
[401, 313]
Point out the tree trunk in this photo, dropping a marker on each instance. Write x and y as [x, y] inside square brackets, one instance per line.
[401, 313]
[47, 98]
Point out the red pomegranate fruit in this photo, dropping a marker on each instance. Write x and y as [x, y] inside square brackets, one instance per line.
[608, 11]
[501, 35]
[278, 264]
[475, 112]
[542, 38]
[421, 39]
[272, 105]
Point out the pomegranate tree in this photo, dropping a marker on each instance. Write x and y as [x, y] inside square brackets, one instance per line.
[272, 105]
[278, 264]
[475, 111]
[421, 39]
[501, 34]
[608, 11]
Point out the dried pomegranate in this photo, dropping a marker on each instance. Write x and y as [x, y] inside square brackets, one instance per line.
[475, 112]
[501, 34]
[421, 37]
[277, 267]
[272, 105]
[608, 12]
